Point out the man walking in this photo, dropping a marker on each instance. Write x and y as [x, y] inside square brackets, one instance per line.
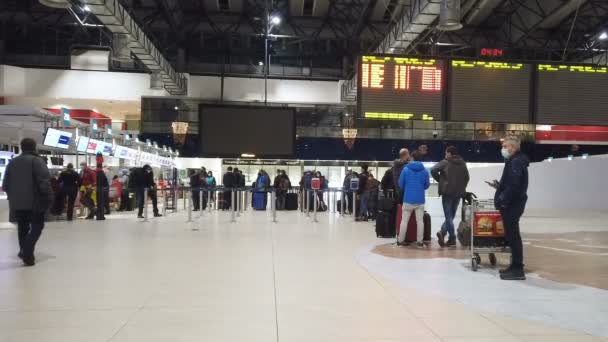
[28, 187]
[69, 187]
[510, 198]
[415, 180]
[453, 177]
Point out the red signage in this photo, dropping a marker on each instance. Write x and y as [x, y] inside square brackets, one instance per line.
[488, 223]
[581, 135]
[492, 52]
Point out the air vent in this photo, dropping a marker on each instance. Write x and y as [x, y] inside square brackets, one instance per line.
[308, 8]
[224, 5]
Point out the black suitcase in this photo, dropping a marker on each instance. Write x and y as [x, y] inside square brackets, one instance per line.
[291, 201]
[387, 204]
[385, 224]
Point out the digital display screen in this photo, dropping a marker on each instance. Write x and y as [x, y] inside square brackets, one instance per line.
[400, 88]
[572, 95]
[57, 138]
[83, 143]
[230, 131]
[486, 91]
[95, 146]
[125, 153]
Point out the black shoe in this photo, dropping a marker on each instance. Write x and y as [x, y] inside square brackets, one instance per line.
[140, 216]
[450, 243]
[513, 274]
[403, 244]
[107, 213]
[29, 262]
[89, 217]
[505, 270]
[20, 255]
[421, 245]
[441, 238]
[101, 219]
[158, 215]
[69, 219]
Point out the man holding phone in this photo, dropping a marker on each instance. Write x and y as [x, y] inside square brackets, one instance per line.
[510, 199]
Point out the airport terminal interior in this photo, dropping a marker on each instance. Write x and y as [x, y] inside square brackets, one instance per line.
[303, 170]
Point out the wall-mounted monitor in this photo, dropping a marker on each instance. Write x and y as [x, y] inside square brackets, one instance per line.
[232, 131]
[57, 138]
[83, 143]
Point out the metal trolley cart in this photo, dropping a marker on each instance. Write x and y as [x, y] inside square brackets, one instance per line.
[487, 232]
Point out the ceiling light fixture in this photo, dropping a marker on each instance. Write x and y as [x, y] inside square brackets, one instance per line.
[275, 20]
[603, 36]
[86, 8]
[176, 108]
[260, 63]
[248, 155]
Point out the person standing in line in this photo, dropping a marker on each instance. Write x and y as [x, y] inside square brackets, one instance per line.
[397, 169]
[453, 177]
[195, 185]
[363, 195]
[88, 181]
[103, 186]
[510, 198]
[124, 197]
[423, 149]
[146, 182]
[415, 180]
[282, 185]
[229, 182]
[211, 184]
[372, 188]
[69, 187]
[28, 188]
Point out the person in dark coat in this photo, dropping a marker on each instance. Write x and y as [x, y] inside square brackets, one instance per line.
[453, 177]
[196, 184]
[145, 181]
[229, 181]
[69, 180]
[28, 188]
[510, 198]
[363, 195]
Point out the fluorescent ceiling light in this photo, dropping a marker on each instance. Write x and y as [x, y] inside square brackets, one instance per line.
[260, 63]
[248, 155]
[603, 36]
[275, 20]
[86, 8]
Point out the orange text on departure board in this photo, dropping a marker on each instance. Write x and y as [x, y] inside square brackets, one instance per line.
[372, 75]
[431, 77]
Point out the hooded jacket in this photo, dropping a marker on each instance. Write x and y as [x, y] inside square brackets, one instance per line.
[415, 180]
[452, 175]
[513, 186]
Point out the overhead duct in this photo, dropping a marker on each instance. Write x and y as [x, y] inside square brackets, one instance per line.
[449, 16]
[156, 82]
[63, 4]
[419, 15]
[481, 11]
[121, 51]
[119, 22]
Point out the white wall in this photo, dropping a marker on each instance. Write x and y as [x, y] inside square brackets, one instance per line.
[558, 185]
[211, 164]
[88, 84]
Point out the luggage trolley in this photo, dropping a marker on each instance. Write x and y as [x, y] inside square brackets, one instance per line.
[487, 232]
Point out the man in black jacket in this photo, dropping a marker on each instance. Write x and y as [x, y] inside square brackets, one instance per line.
[69, 180]
[28, 187]
[390, 180]
[229, 181]
[145, 180]
[510, 198]
[196, 184]
[453, 177]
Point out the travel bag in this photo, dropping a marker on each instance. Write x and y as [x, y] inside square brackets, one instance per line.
[259, 201]
[291, 201]
[412, 233]
[385, 221]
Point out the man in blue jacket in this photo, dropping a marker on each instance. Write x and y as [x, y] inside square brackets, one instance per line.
[414, 180]
[510, 198]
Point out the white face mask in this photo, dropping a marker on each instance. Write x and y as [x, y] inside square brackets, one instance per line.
[505, 153]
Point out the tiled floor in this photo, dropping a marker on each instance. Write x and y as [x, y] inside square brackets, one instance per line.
[212, 280]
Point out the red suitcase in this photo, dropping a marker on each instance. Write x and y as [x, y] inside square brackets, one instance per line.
[411, 234]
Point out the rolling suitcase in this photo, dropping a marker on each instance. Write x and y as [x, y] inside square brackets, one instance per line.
[385, 221]
[258, 201]
[411, 234]
[291, 201]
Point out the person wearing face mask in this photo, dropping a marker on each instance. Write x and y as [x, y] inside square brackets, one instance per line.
[510, 198]
[145, 180]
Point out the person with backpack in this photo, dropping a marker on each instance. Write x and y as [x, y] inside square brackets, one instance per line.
[453, 177]
[415, 180]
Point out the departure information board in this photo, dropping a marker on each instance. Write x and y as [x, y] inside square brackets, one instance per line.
[489, 91]
[570, 94]
[401, 88]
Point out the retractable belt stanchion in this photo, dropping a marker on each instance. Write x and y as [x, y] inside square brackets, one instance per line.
[314, 201]
[307, 205]
[232, 208]
[189, 206]
[200, 203]
[165, 203]
[184, 196]
[238, 202]
[273, 197]
[342, 203]
[146, 205]
[209, 200]
[354, 205]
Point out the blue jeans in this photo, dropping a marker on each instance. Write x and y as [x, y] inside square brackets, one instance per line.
[450, 206]
[364, 201]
